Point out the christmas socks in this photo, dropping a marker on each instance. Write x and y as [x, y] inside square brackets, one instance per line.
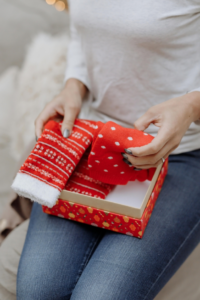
[81, 182]
[56, 162]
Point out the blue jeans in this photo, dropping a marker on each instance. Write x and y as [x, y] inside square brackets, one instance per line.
[63, 259]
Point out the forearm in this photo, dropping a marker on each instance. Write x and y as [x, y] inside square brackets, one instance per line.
[77, 86]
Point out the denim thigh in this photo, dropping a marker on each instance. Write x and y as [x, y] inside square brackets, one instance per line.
[63, 258]
[55, 253]
[126, 268]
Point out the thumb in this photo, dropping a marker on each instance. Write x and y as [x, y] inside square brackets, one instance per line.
[144, 121]
[68, 121]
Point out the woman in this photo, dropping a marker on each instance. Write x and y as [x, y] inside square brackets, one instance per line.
[135, 62]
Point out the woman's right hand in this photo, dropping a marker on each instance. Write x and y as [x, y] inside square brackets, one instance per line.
[67, 104]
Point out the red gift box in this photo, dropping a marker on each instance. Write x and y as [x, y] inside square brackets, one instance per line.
[113, 216]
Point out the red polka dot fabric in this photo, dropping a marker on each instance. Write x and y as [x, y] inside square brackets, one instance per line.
[81, 182]
[105, 160]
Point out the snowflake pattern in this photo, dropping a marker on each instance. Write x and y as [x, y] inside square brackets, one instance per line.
[43, 172]
[49, 153]
[76, 134]
[69, 168]
[38, 148]
[61, 144]
[60, 160]
[86, 140]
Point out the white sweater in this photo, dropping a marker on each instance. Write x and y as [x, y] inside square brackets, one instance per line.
[134, 54]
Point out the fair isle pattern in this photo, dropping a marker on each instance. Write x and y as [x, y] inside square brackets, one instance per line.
[53, 137]
[52, 162]
[92, 125]
[48, 168]
[56, 154]
[88, 178]
[86, 187]
[81, 182]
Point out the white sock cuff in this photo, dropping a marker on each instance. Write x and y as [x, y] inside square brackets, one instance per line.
[36, 190]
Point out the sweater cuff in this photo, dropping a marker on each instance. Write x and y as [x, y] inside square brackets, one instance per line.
[77, 75]
[195, 90]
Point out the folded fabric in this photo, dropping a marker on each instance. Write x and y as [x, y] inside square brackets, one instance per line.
[52, 161]
[105, 160]
[56, 162]
[81, 182]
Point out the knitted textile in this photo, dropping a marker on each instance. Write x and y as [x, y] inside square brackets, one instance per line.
[105, 160]
[56, 163]
[81, 181]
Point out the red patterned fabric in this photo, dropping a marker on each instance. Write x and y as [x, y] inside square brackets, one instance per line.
[56, 162]
[105, 160]
[81, 182]
[57, 155]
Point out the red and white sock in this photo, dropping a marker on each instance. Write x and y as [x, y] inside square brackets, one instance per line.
[51, 165]
[52, 161]
[81, 182]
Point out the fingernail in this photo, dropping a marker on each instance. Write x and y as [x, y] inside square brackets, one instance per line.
[66, 133]
[137, 169]
[128, 151]
[127, 162]
[36, 138]
[124, 155]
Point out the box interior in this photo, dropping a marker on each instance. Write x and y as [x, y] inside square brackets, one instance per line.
[129, 200]
[132, 194]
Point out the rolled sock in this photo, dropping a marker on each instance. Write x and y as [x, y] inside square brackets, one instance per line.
[89, 161]
[105, 159]
[52, 161]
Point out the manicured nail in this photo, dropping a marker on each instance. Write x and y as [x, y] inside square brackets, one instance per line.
[127, 162]
[137, 169]
[124, 155]
[66, 133]
[128, 151]
[36, 138]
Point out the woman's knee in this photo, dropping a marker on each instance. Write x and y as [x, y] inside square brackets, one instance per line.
[42, 273]
[39, 282]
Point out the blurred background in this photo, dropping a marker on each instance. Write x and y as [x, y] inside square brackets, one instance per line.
[33, 46]
[34, 37]
[21, 20]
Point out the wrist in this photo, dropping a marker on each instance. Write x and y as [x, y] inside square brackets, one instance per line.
[193, 101]
[77, 86]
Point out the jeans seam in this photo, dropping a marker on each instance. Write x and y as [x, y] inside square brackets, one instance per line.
[171, 260]
[86, 258]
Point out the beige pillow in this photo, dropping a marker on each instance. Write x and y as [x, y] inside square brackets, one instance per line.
[10, 252]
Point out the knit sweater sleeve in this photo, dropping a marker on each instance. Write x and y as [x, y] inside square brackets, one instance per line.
[76, 67]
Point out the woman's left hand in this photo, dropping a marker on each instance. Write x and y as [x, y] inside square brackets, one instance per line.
[173, 118]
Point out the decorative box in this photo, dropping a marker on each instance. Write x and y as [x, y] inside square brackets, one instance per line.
[124, 214]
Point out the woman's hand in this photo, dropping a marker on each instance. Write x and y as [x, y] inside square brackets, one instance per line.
[67, 105]
[173, 118]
